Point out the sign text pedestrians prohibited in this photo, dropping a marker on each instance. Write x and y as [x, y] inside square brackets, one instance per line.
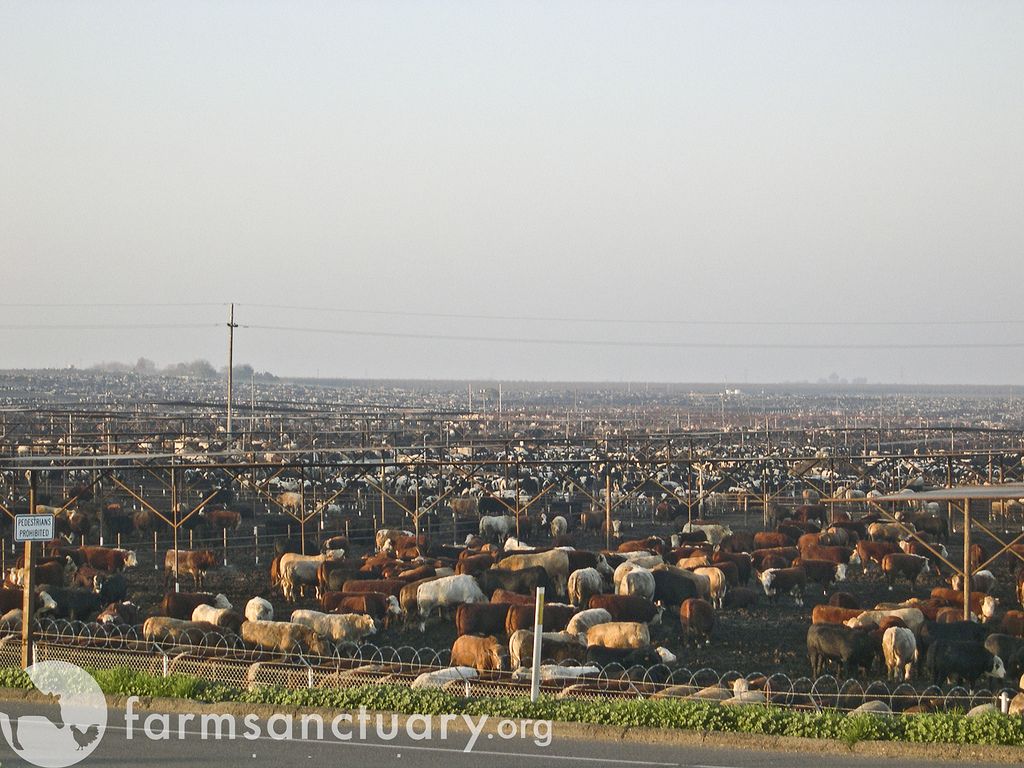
[34, 528]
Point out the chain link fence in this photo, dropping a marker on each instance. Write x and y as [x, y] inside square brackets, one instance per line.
[225, 659]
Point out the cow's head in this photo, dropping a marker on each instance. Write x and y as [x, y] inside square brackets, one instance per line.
[602, 567]
[221, 601]
[394, 607]
[47, 603]
[130, 559]
[666, 656]
[855, 558]
[998, 668]
[841, 572]
[988, 607]
[767, 578]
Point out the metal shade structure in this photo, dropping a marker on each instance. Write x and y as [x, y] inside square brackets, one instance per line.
[968, 492]
[963, 496]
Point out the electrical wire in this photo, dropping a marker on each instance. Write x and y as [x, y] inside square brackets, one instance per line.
[634, 321]
[632, 343]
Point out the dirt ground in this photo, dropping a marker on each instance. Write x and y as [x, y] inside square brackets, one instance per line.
[768, 638]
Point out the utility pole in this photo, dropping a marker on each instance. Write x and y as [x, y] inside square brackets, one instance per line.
[231, 364]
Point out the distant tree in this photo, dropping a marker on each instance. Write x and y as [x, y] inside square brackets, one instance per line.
[145, 367]
[200, 369]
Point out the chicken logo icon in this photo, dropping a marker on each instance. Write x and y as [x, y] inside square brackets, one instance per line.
[68, 734]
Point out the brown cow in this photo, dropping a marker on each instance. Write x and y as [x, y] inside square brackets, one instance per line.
[696, 619]
[384, 586]
[788, 554]
[556, 617]
[483, 653]
[837, 555]
[473, 565]
[1013, 624]
[772, 540]
[374, 604]
[108, 559]
[482, 618]
[832, 614]
[223, 519]
[194, 562]
[741, 560]
[874, 551]
[627, 607]
[900, 565]
[180, 605]
[511, 598]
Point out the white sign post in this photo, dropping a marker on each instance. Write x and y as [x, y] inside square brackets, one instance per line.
[538, 637]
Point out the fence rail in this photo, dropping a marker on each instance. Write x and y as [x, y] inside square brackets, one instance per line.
[226, 660]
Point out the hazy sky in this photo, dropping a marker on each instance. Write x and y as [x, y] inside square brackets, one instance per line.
[715, 161]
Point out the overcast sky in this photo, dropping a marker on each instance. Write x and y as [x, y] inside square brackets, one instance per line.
[761, 162]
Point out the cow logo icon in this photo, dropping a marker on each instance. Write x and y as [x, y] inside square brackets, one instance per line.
[56, 739]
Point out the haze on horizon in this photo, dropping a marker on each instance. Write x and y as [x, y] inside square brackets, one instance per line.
[533, 171]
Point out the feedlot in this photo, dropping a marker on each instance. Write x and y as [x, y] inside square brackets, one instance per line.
[128, 476]
[767, 637]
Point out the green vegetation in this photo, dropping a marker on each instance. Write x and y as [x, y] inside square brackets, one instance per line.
[948, 727]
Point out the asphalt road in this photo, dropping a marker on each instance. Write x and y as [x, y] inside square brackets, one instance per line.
[489, 748]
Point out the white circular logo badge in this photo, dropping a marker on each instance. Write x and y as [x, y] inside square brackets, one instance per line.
[67, 736]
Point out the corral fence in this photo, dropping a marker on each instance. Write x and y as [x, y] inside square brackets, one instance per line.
[225, 659]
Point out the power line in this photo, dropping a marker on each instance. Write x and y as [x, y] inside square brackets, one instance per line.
[102, 326]
[635, 321]
[90, 304]
[633, 343]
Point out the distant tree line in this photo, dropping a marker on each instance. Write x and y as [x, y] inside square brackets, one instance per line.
[196, 369]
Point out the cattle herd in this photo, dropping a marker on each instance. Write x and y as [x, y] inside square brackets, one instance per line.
[853, 591]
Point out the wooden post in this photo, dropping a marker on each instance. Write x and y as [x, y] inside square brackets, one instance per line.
[967, 560]
[607, 511]
[302, 509]
[382, 489]
[28, 602]
[174, 519]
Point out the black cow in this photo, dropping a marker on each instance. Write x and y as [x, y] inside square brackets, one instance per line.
[834, 642]
[671, 589]
[113, 589]
[72, 603]
[963, 661]
[1010, 649]
[954, 631]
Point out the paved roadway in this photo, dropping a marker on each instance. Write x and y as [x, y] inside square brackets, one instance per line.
[489, 749]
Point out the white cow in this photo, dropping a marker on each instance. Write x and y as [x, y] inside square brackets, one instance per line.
[899, 646]
[337, 627]
[258, 609]
[445, 594]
